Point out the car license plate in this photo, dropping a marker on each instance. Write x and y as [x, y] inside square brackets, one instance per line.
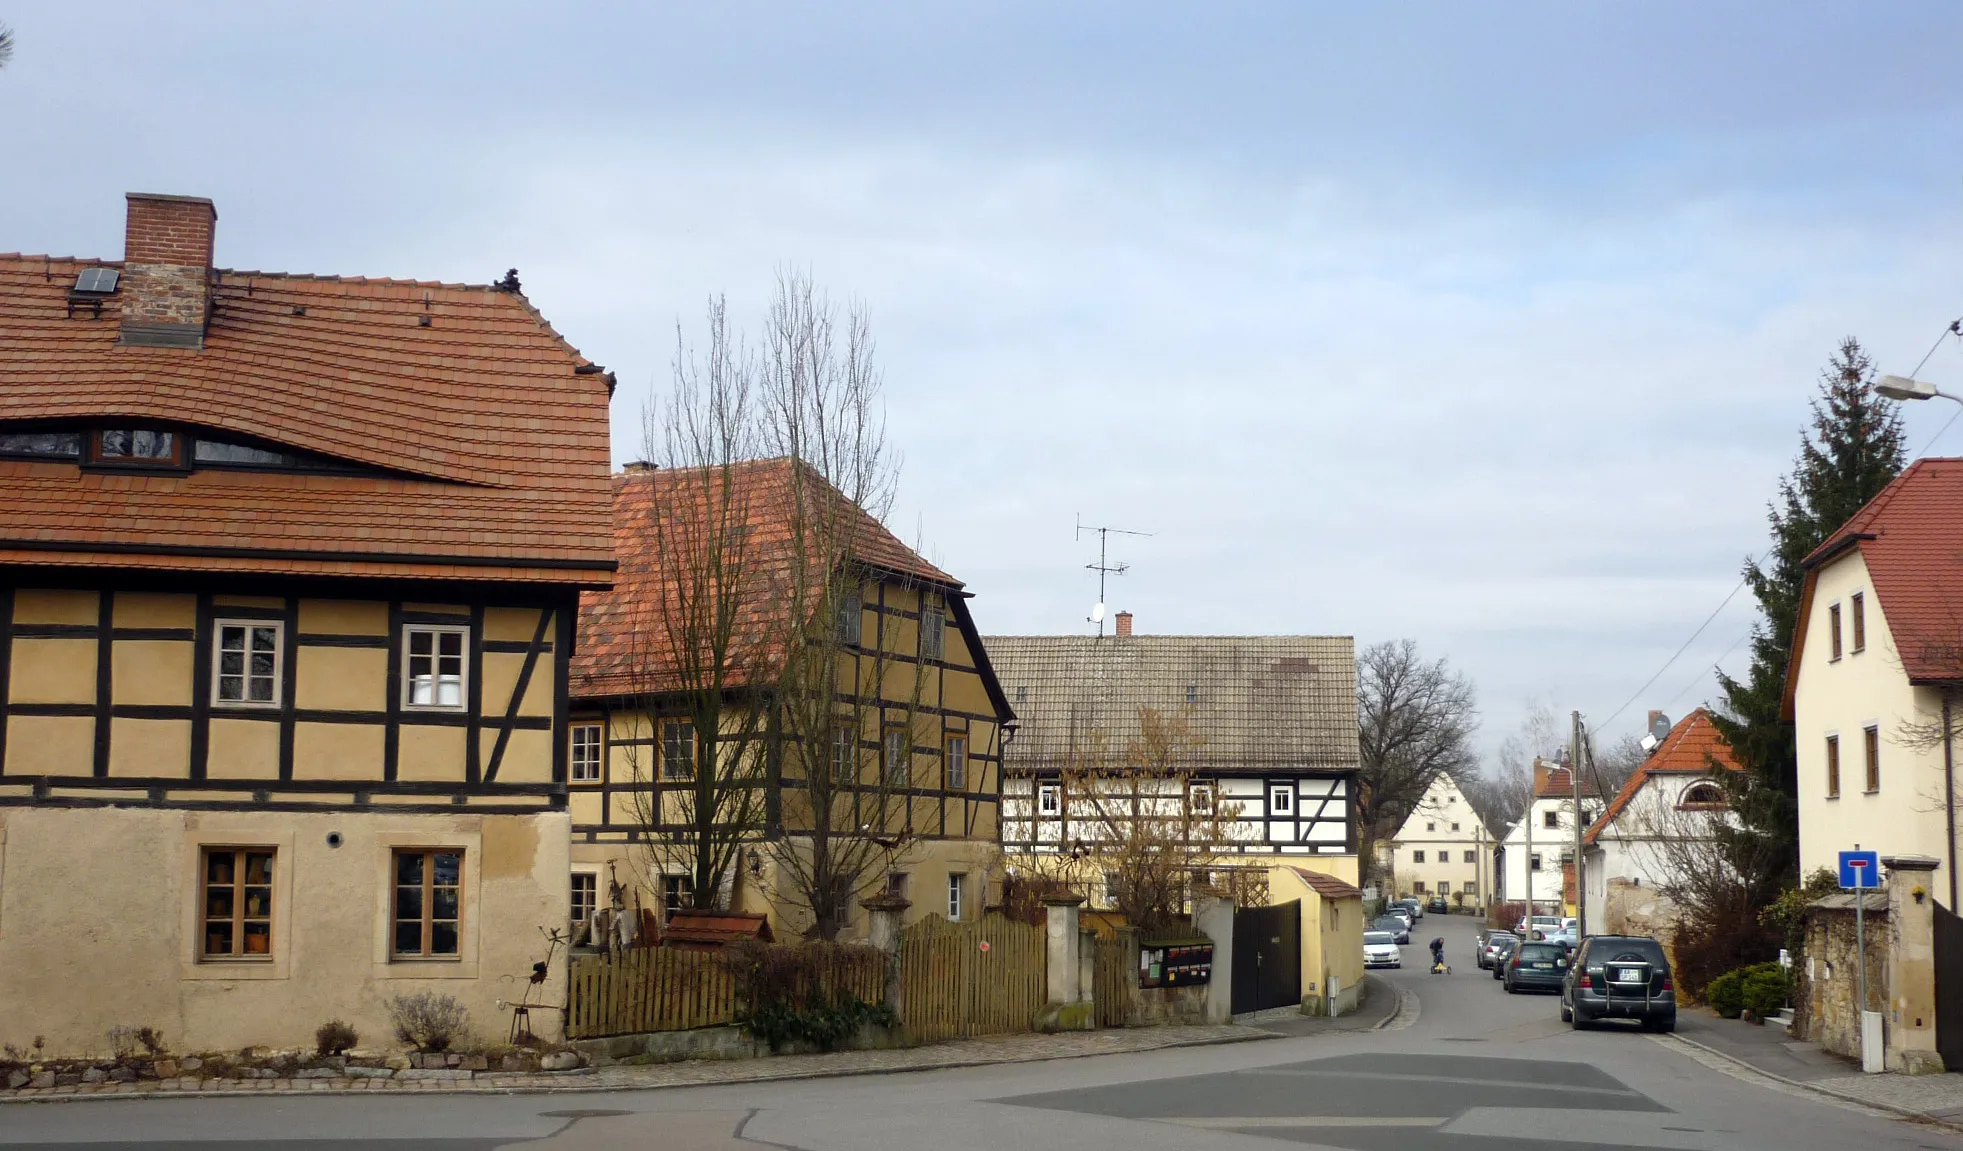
[1628, 975]
[1543, 965]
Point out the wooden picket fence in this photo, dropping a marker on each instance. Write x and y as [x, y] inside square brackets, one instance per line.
[1112, 980]
[986, 977]
[663, 989]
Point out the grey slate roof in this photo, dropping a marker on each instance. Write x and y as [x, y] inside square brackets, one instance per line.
[1259, 702]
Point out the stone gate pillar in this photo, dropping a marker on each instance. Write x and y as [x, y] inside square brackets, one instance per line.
[1910, 1045]
[883, 915]
[1069, 1007]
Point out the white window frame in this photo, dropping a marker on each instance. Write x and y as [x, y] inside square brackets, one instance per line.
[851, 621]
[278, 628]
[1281, 799]
[896, 756]
[598, 746]
[578, 874]
[957, 882]
[937, 633]
[1049, 799]
[1199, 798]
[437, 631]
[954, 763]
[845, 754]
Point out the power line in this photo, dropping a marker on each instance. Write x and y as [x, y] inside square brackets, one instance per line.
[1714, 667]
[1678, 654]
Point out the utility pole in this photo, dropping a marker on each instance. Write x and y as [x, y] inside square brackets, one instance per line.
[1527, 857]
[1580, 873]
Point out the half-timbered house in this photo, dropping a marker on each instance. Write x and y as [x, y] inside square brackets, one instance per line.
[1273, 737]
[289, 574]
[910, 760]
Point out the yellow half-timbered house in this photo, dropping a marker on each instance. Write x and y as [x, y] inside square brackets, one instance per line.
[910, 762]
[289, 572]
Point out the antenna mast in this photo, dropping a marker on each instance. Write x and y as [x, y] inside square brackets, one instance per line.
[1103, 567]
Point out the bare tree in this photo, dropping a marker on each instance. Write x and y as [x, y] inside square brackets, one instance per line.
[1718, 882]
[1611, 767]
[1139, 829]
[850, 716]
[6, 45]
[1415, 719]
[699, 741]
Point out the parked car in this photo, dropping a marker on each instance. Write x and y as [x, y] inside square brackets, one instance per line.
[1438, 905]
[1380, 950]
[1395, 926]
[1493, 946]
[1620, 977]
[1567, 935]
[1541, 923]
[1540, 966]
[1503, 945]
[1411, 903]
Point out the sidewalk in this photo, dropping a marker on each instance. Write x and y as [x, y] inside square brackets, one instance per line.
[1768, 1050]
[1380, 1001]
[694, 1073]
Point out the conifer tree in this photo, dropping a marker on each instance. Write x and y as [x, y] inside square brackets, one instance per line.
[1852, 451]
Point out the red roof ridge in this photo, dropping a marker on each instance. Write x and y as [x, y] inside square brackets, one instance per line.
[1325, 884]
[1858, 523]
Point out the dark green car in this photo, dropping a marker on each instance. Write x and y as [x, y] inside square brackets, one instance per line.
[1620, 977]
[1535, 967]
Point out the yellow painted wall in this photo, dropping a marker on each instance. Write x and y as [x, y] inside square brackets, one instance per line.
[150, 747]
[52, 671]
[244, 749]
[337, 751]
[58, 953]
[145, 609]
[341, 678]
[50, 745]
[49, 605]
[150, 671]
[1332, 939]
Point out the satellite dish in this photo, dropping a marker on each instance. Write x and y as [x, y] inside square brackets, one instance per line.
[1097, 613]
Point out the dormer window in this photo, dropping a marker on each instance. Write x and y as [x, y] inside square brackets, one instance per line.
[41, 445]
[136, 448]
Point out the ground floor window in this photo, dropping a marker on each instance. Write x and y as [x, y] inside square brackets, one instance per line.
[586, 895]
[677, 893]
[238, 903]
[956, 884]
[1418, 886]
[428, 903]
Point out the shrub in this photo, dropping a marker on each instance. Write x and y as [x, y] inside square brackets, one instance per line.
[1765, 989]
[334, 1038]
[795, 993]
[427, 1021]
[1726, 994]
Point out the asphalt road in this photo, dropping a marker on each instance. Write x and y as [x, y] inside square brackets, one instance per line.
[1480, 1070]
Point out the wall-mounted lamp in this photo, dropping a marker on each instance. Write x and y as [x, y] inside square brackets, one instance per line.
[756, 862]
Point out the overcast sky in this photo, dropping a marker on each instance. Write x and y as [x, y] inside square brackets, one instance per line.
[1491, 326]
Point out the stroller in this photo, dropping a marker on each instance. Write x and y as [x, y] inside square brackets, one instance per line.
[1438, 964]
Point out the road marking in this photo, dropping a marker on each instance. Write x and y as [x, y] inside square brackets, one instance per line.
[1241, 1121]
[1460, 1079]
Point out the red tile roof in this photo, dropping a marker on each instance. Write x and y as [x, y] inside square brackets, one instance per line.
[1911, 538]
[690, 929]
[629, 635]
[1327, 886]
[1553, 783]
[1693, 747]
[491, 444]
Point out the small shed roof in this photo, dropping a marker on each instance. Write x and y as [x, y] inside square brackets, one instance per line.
[696, 930]
[1327, 886]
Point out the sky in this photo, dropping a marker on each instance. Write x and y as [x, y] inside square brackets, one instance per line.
[1488, 326]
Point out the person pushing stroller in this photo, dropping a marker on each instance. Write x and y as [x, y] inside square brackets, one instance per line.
[1438, 966]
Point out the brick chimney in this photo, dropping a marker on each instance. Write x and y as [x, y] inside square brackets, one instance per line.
[166, 286]
[1124, 624]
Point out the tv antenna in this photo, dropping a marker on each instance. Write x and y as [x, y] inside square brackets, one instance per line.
[1103, 567]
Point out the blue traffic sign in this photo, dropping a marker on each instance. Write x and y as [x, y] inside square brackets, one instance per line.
[1860, 869]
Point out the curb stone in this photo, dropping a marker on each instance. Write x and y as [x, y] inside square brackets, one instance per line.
[1836, 1097]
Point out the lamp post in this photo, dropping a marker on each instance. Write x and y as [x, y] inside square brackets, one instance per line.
[1903, 388]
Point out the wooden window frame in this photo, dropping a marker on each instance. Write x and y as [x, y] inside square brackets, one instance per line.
[1199, 799]
[845, 753]
[1833, 766]
[1417, 857]
[238, 918]
[1857, 605]
[896, 770]
[668, 774]
[592, 878]
[1551, 819]
[1471, 856]
[1871, 752]
[436, 632]
[427, 919]
[278, 628]
[937, 633]
[576, 771]
[954, 763]
[850, 625]
[1833, 630]
[179, 459]
[1418, 887]
[677, 894]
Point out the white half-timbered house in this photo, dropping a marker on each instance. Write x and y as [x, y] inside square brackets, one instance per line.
[1272, 721]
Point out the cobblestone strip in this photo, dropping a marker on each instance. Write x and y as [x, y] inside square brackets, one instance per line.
[694, 1073]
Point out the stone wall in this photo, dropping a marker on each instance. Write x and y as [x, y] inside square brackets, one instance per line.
[1827, 977]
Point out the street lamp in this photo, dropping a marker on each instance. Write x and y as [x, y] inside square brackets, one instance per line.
[1903, 388]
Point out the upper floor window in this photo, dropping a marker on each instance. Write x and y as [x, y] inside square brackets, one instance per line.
[956, 883]
[1833, 767]
[955, 763]
[851, 621]
[1049, 799]
[433, 666]
[586, 753]
[1455, 827]
[1871, 747]
[1200, 799]
[1431, 827]
[1833, 628]
[933, 633]
[1471, 857]
[1702, 795]
[677, 749]
[136, 447]
[1550, 819]
[1417, 857]
[41, 445]
[845, 753]
[248, 663]
[897, 755]
[1281, 799]
[1857, 605]
[1533, 862]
